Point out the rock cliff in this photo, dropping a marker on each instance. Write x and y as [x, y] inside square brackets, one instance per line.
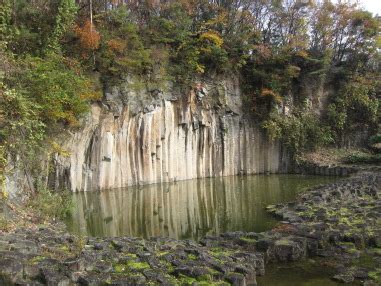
[149, 136]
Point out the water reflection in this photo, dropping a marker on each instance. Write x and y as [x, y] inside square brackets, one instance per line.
[187, 209]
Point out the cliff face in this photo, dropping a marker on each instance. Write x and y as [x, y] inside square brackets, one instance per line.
[152, 136]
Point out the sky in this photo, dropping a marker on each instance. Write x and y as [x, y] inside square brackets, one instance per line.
[373, 6]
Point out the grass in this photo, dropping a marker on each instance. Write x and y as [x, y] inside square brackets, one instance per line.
[334, 156]
[50, 205]
[362, 158]
[4, 223]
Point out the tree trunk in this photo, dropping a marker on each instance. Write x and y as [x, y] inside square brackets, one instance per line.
[91, 27]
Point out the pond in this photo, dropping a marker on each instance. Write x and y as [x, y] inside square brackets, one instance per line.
[187, 209]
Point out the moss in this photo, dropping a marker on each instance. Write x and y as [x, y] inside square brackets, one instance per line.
[352, 251]
[205, 277]
[219, 251]
[248, 239]
[192, 257]
[358, 221]
[309, 213]
[369, 231]
[37, 259]
[186, 280]
[344, 220]
[161, 253]
[168, 266]
[271, 208]
[376, 251]
[171, 279]
[375, 275]
[113, 245]
[210, 283]
[346, 244]
[365, 260]
[119, 268]
[283, 242]
[213, 271]
[133, 265]
[349, 247]
[220, 255]
[64, 248]
[130, 266]
[107, 282]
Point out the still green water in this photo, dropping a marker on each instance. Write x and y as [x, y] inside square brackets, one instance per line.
[305, 273]
[192, 209]
[187, 209]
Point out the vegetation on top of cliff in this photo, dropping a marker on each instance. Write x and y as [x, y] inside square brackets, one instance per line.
[51, 50]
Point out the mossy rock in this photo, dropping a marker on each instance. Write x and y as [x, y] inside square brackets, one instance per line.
[271, 208]
[248, 240]
[375, 275]
[375, 251]
[284, 242]
[119, 268]
[37, 259]
[192, 256]
[186, 280]
[136, 266]
[220, 252]
[130, 266]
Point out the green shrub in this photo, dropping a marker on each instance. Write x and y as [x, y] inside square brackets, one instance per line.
[21, 129]
[375, 139]
[51, 205]
[355, 104]
[299, 132]
[57, 86]
[363, 158]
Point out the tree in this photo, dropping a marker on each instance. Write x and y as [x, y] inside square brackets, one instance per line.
[64, 20]
[89, 38]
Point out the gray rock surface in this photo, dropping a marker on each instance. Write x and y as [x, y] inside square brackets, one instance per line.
[144, 137]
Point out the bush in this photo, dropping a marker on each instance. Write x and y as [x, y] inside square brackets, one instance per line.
[51, 205]
[363, 158]
[21, 129]
[375, 139]
[46, 83]
[122, 49]
[355, 105]
[298, 132]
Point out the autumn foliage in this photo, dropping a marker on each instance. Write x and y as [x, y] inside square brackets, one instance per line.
[116, 45]
[268, 93]
[89, 37]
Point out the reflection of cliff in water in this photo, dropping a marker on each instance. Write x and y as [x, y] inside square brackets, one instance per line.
[186, 209]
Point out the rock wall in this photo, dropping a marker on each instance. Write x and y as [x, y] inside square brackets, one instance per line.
[173, 138]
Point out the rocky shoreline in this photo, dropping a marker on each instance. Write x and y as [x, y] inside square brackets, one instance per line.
[339, 222]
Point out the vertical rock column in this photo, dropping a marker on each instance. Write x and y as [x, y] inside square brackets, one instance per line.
[171, 142]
